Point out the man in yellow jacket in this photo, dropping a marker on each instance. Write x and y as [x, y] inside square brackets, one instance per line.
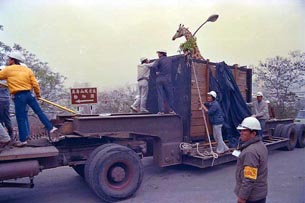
[21, 81]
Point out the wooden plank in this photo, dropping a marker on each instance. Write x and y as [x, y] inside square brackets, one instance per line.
[195, 106]
[199, 134]
[196, 129]
[198, 121]
[28, 153]
[194, 91]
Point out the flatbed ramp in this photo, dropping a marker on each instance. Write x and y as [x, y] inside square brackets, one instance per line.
[194, 159]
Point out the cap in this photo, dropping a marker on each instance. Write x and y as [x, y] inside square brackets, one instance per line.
[259, 94]
[161, 51]
[143, 59]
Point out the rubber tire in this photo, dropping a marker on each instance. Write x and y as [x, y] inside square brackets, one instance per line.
[80, 170]
[103, 149]
[289, 131]
[300, 135]
[101, 182]
[278, 129]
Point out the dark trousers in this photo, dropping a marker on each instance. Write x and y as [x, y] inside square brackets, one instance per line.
[21, 100]
[5, 116]
[165, 93]
[257, 201]
[263, 123]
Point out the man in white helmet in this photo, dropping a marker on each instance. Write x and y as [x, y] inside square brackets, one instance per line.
[21, 81]
[143, 78]
[216, 118]
[251, 168]
[260, 111]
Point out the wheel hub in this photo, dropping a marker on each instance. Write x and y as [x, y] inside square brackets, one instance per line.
[117, 174]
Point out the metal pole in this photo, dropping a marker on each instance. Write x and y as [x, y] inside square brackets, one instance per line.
[57, 105]
[49, 102]
[212, 18]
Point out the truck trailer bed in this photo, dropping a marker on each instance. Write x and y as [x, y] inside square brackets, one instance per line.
[194, 159]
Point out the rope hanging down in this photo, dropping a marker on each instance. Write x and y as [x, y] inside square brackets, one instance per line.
[215, 155]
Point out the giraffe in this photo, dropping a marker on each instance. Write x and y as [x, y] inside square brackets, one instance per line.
[183, 31]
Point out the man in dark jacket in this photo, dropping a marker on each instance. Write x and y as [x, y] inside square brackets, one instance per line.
[251, 170]
[5, 107]
[163, 67]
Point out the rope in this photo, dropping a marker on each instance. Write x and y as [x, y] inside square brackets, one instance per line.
[215, 155]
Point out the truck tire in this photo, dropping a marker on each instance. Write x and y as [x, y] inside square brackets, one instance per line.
[103, 149]
[80, 170]
[289, 131]
[278, 129]
[300, 128]
[116, 174]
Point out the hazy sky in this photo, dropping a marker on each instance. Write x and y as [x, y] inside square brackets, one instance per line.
[100, 42]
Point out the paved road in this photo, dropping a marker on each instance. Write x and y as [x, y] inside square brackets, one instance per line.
[172, 185]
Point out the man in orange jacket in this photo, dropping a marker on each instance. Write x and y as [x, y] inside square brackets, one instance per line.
[21, 81]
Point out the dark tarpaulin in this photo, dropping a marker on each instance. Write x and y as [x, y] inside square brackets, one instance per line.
[231, 101]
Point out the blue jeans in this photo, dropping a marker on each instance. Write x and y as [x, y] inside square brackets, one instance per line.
[5, 116]
[21, 100]
[165, 93]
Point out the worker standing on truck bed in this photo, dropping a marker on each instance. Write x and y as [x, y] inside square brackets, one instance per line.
[215, 113]
[4, 137]
[251, 168]
[21, 81]
[143, 78]
[165, 89]
[5, 108]
[260, 111]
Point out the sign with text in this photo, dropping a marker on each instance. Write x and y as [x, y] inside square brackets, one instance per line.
[84, 95]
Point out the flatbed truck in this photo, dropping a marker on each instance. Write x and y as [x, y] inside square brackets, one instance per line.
[106, 150]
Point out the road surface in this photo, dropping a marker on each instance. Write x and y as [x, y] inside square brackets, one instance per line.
[178, 184]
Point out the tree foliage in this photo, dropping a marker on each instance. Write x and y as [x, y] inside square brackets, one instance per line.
[280, 78]
[51, 83]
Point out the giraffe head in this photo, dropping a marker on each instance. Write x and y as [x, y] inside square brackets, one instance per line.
[182, 31]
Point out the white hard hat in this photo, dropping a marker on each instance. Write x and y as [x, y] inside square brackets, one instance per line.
[143, 59]
[267, 101]
[250, 123]
[259, 94]
[213, 94]
[17, 55]
[161, 51]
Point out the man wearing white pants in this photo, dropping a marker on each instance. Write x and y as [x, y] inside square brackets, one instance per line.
[143, 78]
[216, 118]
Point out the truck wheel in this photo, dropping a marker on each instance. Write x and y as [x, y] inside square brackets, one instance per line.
[289, 131]
[103, 149]
[80, 170]
[278, 130]
[300, 128]
[116, 174]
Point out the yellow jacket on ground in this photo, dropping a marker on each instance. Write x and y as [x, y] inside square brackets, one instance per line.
[19, 78]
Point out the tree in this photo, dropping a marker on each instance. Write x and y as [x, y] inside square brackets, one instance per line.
[51, 83]
[280, 78]
[116, 101]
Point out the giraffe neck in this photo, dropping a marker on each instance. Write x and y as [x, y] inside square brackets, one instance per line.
[187, 34]
[196, 53]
